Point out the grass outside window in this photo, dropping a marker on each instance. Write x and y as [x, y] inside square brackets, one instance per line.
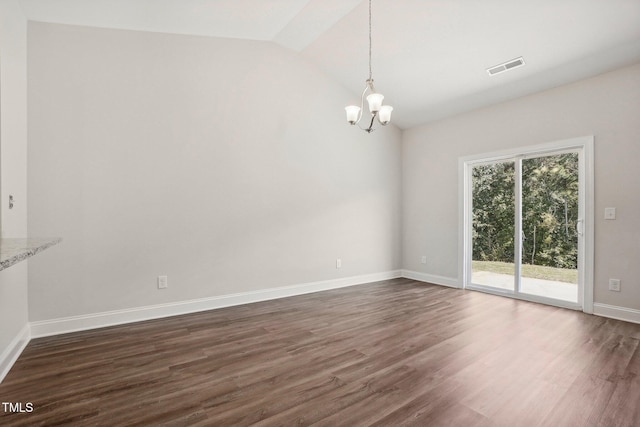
[533, 271]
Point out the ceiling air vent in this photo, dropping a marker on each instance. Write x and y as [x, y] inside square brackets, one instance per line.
[509, 65]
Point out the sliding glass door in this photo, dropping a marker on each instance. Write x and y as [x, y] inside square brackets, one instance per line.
[494, 221]
[550, 226]
[524, 225]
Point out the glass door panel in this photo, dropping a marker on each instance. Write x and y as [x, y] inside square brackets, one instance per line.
[550, 204]
[527, 224]
[493, 225]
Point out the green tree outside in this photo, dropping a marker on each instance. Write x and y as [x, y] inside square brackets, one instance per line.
[549, 211]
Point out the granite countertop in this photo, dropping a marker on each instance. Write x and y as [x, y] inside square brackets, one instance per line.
[14, 250]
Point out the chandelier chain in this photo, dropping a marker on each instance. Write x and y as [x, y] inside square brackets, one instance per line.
[370, 74]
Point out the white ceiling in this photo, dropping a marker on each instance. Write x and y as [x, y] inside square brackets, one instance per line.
[429, 56]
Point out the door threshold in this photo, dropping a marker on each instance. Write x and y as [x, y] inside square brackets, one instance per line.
[525, 297]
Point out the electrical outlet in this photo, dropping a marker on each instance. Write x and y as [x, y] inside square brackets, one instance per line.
[163, 282]
[614, 285]
[423, 260]
[609, 213]
[338, 263]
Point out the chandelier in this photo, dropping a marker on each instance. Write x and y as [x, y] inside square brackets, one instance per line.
[374, 99]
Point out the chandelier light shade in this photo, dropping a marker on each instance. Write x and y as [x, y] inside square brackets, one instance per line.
[353, 114]
[374, 99]
[375, 102]
[384, 115]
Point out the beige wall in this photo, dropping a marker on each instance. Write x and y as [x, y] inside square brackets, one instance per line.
[225, 164]
[606, 106]
[13, 173]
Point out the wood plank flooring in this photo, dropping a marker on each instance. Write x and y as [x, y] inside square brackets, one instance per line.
[390, 353]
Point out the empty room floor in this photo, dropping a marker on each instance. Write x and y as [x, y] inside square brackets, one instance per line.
[397, 352]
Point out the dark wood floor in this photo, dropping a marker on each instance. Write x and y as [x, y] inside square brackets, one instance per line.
[390, 353]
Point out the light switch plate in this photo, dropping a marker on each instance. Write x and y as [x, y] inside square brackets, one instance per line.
[609, 213]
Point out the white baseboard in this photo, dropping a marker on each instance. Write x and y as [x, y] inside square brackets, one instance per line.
[13, 351]
[431, 278]
[118, 317]
[616, 312]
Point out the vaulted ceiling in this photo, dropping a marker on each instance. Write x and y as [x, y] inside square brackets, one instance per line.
[429, 56]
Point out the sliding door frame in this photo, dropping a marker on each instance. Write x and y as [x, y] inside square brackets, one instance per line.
[586, 214]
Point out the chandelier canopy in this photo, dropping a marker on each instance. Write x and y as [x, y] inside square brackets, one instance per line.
[374, 99]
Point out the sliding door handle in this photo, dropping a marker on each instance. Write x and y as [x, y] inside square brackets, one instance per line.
[580, 227]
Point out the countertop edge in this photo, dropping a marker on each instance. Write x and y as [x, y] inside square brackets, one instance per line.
[15, 250]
